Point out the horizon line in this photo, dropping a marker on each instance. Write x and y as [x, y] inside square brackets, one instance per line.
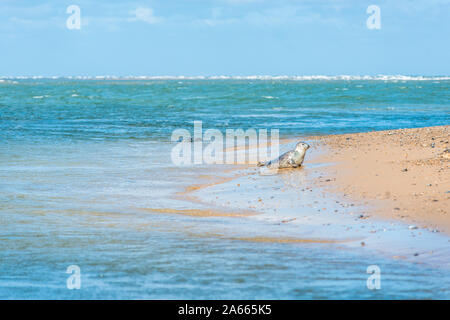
[235, 77]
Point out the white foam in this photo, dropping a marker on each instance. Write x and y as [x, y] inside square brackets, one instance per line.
[251, 77]
[8, 81]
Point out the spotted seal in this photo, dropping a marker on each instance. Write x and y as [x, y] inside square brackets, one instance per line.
[290, 159]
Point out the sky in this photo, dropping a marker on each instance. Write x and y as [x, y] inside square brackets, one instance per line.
[224, 37]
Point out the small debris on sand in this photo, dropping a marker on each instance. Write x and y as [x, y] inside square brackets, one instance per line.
[446, 154]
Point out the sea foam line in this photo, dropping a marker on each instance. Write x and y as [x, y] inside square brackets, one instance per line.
[252, 77]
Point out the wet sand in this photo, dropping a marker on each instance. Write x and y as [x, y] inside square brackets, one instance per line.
[402, 174]
[379, 191]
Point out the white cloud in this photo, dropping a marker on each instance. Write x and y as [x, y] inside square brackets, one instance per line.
[145, 14]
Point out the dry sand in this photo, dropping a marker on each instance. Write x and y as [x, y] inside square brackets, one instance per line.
[403, 173]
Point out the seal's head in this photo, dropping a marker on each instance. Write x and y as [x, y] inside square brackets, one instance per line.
[302, 146]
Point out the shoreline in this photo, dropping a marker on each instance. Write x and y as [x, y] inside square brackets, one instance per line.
[333, 197]
[402, 174]
[397, 174]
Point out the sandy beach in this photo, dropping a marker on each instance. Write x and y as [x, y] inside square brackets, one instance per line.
[404, 174]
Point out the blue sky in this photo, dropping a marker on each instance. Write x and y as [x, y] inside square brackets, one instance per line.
[224, 37]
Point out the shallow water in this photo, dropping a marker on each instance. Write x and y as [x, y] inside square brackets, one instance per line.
[81, 163]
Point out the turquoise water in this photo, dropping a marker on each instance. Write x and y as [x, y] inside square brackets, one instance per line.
[80, 160]
[58, 110]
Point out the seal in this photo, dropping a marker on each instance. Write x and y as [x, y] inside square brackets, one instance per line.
[290, 159]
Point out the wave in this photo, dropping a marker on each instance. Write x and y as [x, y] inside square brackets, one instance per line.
[253, 77]
[8, 81]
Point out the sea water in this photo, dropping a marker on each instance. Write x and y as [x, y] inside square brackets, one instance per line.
[83, 160]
